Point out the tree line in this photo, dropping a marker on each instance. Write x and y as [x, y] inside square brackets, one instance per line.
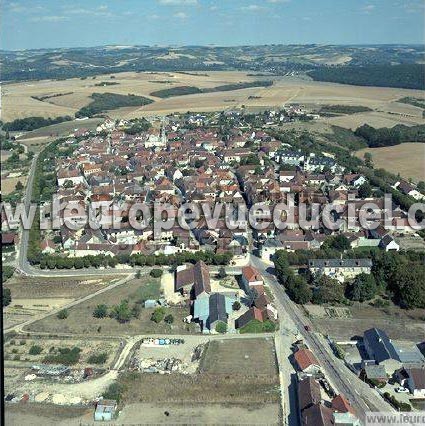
[391, 136]
[32, 123]
[191, 90]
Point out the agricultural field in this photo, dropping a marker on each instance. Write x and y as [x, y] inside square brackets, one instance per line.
[408, 159]
[19, 98]
[81, 320]
[240, 356]
[45, 414]
[54, 415]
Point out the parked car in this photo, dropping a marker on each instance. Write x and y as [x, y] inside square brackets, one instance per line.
[401, 390]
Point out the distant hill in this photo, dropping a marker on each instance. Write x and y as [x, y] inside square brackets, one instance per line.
[269, 59]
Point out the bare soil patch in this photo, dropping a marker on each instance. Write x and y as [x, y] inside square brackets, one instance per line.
[42, 287]
[239, 371]
[398, 323]
[44, 414]
[240, 356]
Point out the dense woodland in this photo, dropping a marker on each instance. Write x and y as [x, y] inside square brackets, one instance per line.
[408, 76]
[191, 90]
[391, 136]
[31, 123]
[108, 101]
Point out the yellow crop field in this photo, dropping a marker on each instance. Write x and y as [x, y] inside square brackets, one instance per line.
[408, 159]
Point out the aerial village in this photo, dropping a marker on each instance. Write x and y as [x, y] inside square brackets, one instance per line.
[191, 159]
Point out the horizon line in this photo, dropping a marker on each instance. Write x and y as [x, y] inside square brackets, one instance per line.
[212, 45]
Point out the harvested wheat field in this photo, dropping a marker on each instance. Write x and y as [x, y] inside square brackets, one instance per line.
[65, 97]
[408, 159]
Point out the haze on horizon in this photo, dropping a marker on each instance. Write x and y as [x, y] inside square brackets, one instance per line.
[59, 23]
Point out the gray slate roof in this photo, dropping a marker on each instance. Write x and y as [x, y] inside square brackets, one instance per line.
[217, 306]
[340, 263]
[382, 347]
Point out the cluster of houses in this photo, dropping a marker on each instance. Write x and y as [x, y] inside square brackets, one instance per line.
[181, 162]
[388, 359]
[317, 403]
[209, 308]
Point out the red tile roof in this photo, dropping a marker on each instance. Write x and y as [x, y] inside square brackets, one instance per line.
[305, 359]
[341, 404]
[251, 274]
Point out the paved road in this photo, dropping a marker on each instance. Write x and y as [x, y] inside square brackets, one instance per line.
[360, 395]
[23, 245]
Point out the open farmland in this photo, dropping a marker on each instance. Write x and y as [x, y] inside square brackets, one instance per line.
[9, 184]
[55, 415]
[239, 357]
[408, 159]
[18, 101]
[45, 414]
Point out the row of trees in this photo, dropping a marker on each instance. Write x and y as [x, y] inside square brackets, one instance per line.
[122, 312]
[108, 101]
[47, 261]
[31, 123]
[191, 90]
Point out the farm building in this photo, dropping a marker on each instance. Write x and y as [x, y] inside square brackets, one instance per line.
[380, 348]
[416, 381]
[194, 280]
[208, 311]
[376, 373]
[308, 393]
[8, 239]
[392, 356]
[388, 243]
